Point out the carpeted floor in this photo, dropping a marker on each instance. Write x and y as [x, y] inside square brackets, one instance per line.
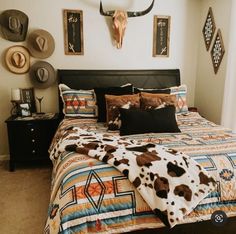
[24, 198]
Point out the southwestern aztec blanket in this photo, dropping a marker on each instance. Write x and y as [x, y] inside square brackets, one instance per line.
[91, 196]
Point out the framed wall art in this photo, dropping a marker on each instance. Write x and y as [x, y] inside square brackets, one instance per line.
[27, 96]
[73, 32]
[217, 51]
[161, 36]
[209, 28]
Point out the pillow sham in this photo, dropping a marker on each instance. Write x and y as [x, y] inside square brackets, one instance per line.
[113, 103]
[78, 103]
[100, 96]
[156, 100]
[138, 121]
[181, 97]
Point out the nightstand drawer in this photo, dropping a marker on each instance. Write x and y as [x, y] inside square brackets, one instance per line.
[30, 139]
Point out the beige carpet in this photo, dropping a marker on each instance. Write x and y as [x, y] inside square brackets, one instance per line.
[24, 198]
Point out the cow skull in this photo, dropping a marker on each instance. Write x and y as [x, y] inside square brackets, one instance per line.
[120, 21]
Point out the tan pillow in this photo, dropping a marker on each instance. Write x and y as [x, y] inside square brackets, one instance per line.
[113, 103]
[157, 100]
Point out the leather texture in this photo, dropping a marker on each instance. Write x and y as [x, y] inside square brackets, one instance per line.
[89, 79]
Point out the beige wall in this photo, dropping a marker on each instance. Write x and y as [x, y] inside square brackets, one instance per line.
[99, 52]
[209, 90]
[228, 116]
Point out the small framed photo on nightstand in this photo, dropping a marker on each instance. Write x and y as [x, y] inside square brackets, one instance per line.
[25, 109]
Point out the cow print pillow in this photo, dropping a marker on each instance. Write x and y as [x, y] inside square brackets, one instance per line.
[114, 103]
[155, 101]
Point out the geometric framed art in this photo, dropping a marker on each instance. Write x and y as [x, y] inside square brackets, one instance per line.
[209, 29]
[217, 51]
[161, 36]
[73, 32]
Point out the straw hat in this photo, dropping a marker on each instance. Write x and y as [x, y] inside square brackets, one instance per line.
[14, 25]
[41, 44]
[17, 59]
[42, 74]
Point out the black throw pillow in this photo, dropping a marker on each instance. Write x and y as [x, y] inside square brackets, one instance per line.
[101, 101]
[137, 121]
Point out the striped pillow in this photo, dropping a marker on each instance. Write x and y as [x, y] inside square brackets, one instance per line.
[181, 97]
[78, 103]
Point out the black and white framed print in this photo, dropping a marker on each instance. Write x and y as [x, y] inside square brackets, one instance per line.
[73, 32]
[161, 36]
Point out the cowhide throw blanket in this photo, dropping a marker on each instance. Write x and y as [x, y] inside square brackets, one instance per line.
[170, 182]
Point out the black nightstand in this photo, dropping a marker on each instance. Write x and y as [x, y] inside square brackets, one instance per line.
[193, 109]
[30, 138]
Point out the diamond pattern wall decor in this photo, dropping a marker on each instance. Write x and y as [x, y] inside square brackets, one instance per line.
[217, 51]
[209, 28]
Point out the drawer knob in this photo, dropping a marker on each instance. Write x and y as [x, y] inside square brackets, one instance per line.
[33, 140]
[31, 129]
[33, 151]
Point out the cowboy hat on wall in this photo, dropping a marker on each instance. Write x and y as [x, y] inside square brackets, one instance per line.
[14, 25]
[17, 59]
[42, 74]
[41, 44]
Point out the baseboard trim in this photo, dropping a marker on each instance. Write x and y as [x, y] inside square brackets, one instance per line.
[4, 157]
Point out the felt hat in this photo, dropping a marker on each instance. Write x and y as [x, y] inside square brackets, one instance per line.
[42, 74]
[14, 25]
[41, 44]
[17, 59]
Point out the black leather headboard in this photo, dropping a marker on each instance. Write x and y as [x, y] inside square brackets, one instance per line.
[89, 79]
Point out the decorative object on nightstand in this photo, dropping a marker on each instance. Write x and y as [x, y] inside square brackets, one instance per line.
[25, 109]
[15, 100]
[21, 100]
[40, 103]
[27, 96]
[15, 110]
[30, 137]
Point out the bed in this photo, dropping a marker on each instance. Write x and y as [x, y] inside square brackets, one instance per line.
[90, 196]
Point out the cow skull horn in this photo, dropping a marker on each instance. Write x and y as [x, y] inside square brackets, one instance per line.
[107, 13]
[129, 13]
[140, 13]
[120, 21]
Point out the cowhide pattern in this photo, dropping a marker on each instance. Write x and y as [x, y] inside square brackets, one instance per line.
[113, 103]
[156, 100]
[170, 182]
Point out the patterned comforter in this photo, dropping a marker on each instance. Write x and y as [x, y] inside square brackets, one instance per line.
[90, 196]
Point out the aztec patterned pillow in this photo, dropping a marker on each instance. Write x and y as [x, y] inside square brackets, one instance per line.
[181, 96]
[156, 100]
[78, 103]
[113, 103]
